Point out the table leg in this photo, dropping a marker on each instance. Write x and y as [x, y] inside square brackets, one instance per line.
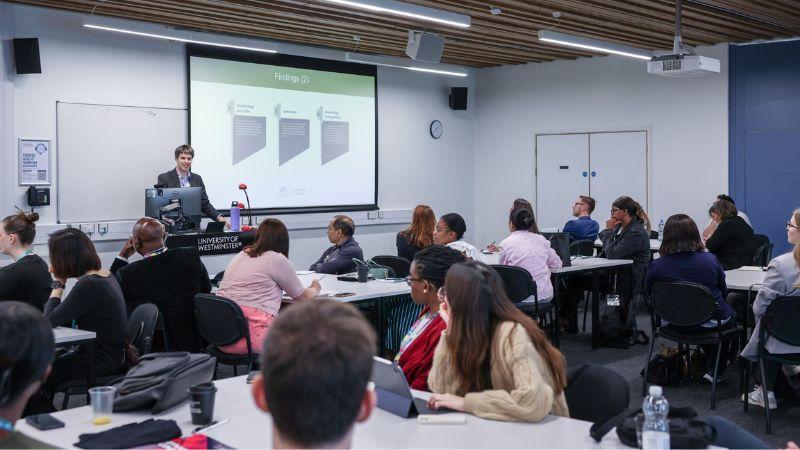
[89, 367]
[595, 309]
[556, 317]
[382, 325]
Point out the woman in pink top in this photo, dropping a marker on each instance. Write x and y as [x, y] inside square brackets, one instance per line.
[256, 279]
[529, 250]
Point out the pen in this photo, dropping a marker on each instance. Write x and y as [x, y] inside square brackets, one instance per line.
[210, 427]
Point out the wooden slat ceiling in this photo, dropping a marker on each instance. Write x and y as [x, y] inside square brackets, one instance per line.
[492, 40]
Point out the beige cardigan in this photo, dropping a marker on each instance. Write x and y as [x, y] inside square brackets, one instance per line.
[523, 387]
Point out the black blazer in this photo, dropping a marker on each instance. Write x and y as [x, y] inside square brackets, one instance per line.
[170, 281]
[26, 280]
[733, 242]
[632, 243]
[170, 180]
[404, 248]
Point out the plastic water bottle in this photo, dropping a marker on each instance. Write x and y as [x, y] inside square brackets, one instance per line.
[236, 221]
[655, 431]
[661, 229]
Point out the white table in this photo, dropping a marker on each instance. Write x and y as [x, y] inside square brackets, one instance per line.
[251, 428]
[742, 279]
[64, 335]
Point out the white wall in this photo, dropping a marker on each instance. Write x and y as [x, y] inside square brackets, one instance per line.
[687, 120]
[80, 65]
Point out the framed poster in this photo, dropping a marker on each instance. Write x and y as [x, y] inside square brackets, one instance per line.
[34, 162]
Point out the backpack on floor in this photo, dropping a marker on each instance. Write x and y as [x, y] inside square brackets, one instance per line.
[665, 368]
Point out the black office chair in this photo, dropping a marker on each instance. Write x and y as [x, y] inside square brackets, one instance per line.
[581, 248]
[401, 266]
[139, 331]
[779, 322]
[595, 393]
[520, 287]
[764, 251]
[653, 234]
[685, 304]
[221, 321]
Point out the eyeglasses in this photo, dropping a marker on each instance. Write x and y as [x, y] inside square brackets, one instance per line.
[789, 225]
[409, 280]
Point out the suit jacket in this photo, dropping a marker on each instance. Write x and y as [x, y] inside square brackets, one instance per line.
[170, 179]
[339, 259]
[170, 281]
[632, 243]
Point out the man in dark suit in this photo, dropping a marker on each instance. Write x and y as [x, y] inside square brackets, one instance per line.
[182, 176]
[168, 278]
[339, 258]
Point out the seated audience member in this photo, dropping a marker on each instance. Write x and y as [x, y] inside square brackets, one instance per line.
[450, 230]
[583, 228]
[522, 203]
[682, 258]
[315, 372]
[256, 279]
[531, 251]
[418, 235]
[493, 360]
[95, 303]
[733, 241]
[781, 280]
[168, 278]
[625, 237]
[26, 279]
[26, 351]
[416, 349]
[712, 225]
[339, 258]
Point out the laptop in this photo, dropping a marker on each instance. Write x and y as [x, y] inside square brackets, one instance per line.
[215, 227]
[394, 395]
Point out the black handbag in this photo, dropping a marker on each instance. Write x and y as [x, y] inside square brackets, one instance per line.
[685, 430]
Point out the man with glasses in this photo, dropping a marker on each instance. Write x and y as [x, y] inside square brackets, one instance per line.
[583, 228]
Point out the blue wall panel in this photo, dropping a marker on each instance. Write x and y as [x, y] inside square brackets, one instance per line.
[765, 135]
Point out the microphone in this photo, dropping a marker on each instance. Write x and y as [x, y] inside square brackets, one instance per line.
[243, 187]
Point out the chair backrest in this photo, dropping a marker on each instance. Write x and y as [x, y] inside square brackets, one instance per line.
[142, 326]
[780, 320]
[595, 393]
[581, 248]
[220, 320]
[653, 234]
[763, 252]
[401, 266]
[518, 282]
[682, 303]
[560, 243]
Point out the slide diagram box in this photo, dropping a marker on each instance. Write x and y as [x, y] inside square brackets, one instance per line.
[293, 138]
[335, 140]
[249, 136]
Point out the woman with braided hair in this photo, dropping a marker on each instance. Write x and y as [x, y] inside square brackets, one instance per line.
[427, 274]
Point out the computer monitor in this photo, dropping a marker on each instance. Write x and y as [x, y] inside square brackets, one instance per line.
[190, 200]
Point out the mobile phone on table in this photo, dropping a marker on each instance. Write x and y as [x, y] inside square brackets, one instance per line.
[44, 422]
[344, 294]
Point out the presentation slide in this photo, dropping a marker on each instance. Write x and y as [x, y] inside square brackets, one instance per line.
[298, 137]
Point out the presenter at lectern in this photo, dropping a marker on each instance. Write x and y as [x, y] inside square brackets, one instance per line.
[182, 176]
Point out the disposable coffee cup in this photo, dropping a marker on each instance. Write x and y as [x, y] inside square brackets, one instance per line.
[201, 403]
[363, 273]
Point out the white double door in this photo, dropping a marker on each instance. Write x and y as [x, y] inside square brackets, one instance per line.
[604, 166]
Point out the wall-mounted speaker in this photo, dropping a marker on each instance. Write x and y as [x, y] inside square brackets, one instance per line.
[458, 98]
[424, 46]
[26, 55]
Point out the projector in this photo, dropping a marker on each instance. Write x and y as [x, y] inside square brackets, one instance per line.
[681, 65]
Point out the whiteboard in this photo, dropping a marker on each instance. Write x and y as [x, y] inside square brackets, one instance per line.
[108, 155]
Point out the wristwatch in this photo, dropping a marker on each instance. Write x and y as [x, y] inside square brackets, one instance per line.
[57, 285]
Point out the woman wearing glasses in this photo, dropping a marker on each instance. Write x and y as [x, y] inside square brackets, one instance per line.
[781, 280]
[493, 360]
[450, 231]
[428, 270]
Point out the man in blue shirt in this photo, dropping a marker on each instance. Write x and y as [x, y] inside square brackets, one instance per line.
[583, 228]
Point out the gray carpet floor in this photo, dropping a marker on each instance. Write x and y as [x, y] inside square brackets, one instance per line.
[629, 363]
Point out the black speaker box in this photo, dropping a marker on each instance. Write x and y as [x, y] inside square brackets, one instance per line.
[26, 55]
[458, 98]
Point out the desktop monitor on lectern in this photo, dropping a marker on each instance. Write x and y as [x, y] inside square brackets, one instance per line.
[179, 205]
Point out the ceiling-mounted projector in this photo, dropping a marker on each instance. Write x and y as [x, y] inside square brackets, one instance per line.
[682, 65]
[424, 46]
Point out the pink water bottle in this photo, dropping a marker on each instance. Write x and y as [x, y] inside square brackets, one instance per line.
[236, 221]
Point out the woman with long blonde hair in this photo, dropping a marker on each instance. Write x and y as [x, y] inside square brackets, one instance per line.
[418, 235]
[493, 360]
